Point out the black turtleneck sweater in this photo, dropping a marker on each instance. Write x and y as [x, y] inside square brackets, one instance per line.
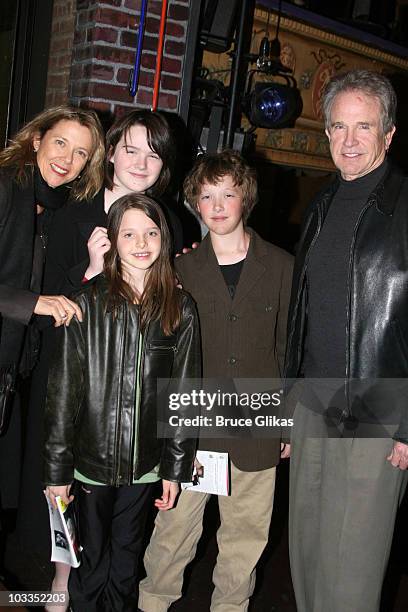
[327, 278]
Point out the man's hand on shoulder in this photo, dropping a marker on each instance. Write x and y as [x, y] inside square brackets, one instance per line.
[187, 250]
[399, 455]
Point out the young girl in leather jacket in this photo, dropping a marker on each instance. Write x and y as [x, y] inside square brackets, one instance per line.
[140, 155]
[101, 414]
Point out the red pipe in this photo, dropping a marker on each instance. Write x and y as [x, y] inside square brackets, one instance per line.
[159, 55]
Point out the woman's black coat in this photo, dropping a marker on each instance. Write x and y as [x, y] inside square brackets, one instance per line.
[21, 258]
[17, 232]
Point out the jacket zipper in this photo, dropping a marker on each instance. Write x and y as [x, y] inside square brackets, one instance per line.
[302, 278]
[119, 404]
[138, 403]
[351, 261]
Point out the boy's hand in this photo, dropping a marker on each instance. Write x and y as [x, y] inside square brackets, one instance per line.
[187, 250]
[63, 491]
[199, 468]
[170, 492]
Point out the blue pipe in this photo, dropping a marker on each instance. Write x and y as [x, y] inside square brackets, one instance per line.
[134, 77]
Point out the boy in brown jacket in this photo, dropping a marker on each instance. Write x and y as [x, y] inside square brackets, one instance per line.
[241, 285]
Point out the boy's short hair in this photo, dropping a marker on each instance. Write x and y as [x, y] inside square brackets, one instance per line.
[212, 167]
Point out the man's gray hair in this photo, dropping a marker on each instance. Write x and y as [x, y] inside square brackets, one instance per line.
[370, 83]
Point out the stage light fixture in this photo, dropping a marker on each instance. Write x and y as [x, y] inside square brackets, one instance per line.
[273, 105]
[269, 103]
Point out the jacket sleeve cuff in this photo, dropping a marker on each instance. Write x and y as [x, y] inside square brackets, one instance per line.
[401, 435]
[17, 304]
[177, 470]
[401, 438]
[76, 275]
[57, 475]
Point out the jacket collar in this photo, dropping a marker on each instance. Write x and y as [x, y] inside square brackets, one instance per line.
[384, 197]
[253, 268]
[386, 194]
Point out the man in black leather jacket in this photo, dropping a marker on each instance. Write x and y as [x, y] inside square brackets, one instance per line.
[348, 321]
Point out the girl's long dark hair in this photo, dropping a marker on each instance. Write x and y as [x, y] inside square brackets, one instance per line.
[160, 298]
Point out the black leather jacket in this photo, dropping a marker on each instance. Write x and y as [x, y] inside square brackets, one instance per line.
[377, 319]
[90, 418]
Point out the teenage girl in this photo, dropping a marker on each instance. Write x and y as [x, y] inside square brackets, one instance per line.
[100, 421]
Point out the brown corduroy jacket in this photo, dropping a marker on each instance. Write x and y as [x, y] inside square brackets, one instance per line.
[243, 337]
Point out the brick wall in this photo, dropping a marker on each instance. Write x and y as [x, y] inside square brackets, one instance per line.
[104, 52]
[59, 64]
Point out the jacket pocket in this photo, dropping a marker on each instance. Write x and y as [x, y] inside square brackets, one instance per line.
[261, 324]
[161, 346]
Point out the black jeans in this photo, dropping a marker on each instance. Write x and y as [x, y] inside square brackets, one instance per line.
[111, 527]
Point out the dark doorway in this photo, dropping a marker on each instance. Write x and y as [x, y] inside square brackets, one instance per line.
[25, 31]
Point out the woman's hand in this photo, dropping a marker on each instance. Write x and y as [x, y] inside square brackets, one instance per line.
[98, 245]
[170, 492]
[63, 491]
[59, 307]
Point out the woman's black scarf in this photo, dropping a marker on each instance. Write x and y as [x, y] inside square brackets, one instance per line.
[50, 198]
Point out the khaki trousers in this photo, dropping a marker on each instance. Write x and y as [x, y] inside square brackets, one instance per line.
[242, 536]
[344, 496]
